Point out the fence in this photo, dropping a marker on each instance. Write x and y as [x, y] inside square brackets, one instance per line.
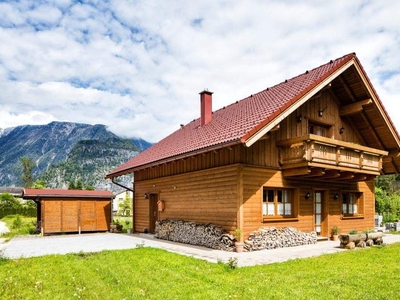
[25, 211]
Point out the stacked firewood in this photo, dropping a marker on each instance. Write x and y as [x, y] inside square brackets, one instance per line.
[272, 238]
[207, 235]
[350, 241]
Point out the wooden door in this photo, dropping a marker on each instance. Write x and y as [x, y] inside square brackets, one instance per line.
[320, 214]
[153, 212]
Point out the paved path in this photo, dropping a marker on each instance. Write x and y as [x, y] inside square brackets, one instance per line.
[28, 246]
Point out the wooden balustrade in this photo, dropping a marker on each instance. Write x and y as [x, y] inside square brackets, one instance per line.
[312, 151]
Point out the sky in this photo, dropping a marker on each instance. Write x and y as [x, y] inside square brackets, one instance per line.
[138, 66]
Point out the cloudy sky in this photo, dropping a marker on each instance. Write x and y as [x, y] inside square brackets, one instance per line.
[138, 66]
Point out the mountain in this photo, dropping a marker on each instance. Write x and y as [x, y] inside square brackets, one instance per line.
[64, 151]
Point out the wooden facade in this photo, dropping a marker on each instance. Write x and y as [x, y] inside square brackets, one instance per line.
[72, 211]
[311, 165]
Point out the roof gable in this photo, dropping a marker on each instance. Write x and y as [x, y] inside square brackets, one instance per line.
[244, 121]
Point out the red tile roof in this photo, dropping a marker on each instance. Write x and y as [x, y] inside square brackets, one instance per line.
[235, 123]
[59, 193]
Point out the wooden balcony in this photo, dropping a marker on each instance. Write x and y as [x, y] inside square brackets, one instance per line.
[315, 156]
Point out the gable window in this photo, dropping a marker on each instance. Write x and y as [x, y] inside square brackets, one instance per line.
[351, 204]
[320, 129]
[277, 202]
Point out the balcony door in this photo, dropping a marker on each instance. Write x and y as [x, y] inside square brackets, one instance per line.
[320, 214]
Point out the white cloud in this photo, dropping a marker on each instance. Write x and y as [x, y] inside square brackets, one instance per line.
[138, 66]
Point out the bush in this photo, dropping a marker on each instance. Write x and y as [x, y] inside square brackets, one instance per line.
[17, 222]
[22, 211]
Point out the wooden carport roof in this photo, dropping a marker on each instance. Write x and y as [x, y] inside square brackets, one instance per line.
[33, 194]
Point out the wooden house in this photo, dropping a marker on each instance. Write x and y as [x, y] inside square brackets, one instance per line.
[71, 210]
[303, 153]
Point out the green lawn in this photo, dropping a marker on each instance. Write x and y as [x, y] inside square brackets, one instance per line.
[146, 273]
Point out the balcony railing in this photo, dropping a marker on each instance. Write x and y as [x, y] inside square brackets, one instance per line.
[321, 152]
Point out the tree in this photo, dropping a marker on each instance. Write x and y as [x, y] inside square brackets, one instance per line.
[79, 185]
[27, 167]
[125, 205]
[8, 201]
[71, 185]
[381, 200]
[39, 184]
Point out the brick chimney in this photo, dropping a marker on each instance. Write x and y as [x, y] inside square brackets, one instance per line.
[205, 107]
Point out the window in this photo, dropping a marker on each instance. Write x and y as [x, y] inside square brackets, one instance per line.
[277, 202]
[351, 204]
[324, 130]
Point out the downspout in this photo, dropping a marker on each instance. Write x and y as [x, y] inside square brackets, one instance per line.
[125, 187]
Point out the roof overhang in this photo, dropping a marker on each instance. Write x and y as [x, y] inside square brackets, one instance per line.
[173, 158]
[34, 194]
[270, 124]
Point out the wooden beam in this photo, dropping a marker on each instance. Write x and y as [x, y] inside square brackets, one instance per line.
[390, 160]
[362, 177]
[296, 172]
[373, 132]
[345, 176]
[316, 172]
[354, 108]
[331, 174]
[347, 89]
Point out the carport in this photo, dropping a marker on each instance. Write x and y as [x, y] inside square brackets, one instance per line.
[61, 210]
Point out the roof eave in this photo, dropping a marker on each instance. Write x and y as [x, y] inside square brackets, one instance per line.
[34, 197]
[173, 158]
[377, 101]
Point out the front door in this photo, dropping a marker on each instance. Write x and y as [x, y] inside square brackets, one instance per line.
[319, 214]
[153, 212]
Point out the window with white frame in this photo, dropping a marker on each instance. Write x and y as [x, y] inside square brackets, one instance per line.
[277, 202]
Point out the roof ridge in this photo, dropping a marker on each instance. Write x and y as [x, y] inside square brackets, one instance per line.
[306, 72]
[353, 54]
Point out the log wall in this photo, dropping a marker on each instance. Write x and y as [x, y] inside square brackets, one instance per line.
[215, 196]
[208, 196]
[254, 179]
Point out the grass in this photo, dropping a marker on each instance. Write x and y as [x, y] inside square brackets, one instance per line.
[18, 225]
[146, 273]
